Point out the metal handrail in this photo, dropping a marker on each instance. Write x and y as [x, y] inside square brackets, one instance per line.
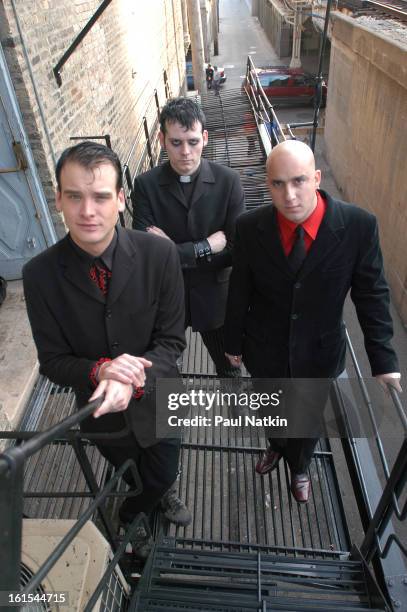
[11, 486]
[263, 109]
[395, 478]
[76, 42]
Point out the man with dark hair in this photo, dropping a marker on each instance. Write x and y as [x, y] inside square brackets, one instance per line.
[193, 203]
[294, 264]
[107, 315]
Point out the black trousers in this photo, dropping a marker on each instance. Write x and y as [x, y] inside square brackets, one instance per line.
[214, 342]
[157, 466]
[297, 451]
[302, 403]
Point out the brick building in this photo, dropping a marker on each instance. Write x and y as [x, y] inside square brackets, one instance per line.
[108, 81]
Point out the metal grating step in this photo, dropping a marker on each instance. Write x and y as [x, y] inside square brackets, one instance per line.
[235, 508]
[206, 580]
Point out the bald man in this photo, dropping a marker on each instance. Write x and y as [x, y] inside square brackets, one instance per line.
[294, 263]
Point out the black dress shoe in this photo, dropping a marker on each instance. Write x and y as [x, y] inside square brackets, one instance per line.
[300, 485]
[268, 461]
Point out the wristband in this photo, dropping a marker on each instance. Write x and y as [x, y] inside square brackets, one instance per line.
[94, 373]
[138, 392]
[202, 250]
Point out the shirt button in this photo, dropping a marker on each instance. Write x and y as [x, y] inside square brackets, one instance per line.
[297, 285]
[115, 345]
[108, 314]
[294, 317]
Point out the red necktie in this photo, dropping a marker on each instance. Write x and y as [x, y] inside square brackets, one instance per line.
[100, 275]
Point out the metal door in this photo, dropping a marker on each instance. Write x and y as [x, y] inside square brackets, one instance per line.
[25, 223]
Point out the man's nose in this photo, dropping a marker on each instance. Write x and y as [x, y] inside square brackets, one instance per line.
[185, 148]
[289, 192]
[87, 207]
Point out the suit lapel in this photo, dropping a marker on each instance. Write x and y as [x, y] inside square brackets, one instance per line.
[269, 238]
[123, 265]
[205, 177]
[329, 235]
[76, 271]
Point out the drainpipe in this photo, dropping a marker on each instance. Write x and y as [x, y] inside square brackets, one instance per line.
[32, 78]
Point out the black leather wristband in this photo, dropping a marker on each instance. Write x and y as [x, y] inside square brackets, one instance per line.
[202, 250]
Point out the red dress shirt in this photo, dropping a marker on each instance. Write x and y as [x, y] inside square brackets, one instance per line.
[310, 225]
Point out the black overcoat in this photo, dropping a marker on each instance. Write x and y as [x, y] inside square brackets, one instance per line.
[217, 201]
[73, 326]
[293, 326]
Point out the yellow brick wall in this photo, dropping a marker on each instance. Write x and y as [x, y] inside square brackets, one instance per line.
[365, 135]
[107, 83]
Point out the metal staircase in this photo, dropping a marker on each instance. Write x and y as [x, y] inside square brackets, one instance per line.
[250, 546]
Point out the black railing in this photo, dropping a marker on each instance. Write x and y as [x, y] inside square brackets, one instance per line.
[262, 108]
[76, 42]
[12, 463]
[378, 487]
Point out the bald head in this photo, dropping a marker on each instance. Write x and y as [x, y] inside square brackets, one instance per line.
[294, 149]
[293, 180]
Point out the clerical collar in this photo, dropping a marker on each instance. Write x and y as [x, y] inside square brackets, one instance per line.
[188, 178]
[106, 257]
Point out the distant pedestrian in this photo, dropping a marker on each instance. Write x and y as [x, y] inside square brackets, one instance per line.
[209, 76]
[216, 80]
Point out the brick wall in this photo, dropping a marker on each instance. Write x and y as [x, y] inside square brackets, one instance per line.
[108, 82]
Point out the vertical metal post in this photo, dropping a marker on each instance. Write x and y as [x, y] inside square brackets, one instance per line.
[148, 141]
[318, 86]
[166, 85]
[93, 486]
[157, 103]
[11, 513]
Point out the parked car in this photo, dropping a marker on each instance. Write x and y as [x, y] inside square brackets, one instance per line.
[283, 85]
[190, 76]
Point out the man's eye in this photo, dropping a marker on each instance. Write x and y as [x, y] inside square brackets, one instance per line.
[74, 196]
[175, 143]
[299, 180]
[193, 143]
[276, 183]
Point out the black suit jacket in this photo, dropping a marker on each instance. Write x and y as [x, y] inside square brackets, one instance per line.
[292, 326]
[73, 326]
[217, 201]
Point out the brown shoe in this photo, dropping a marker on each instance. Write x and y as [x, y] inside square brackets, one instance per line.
[300, 486]
[268, 461]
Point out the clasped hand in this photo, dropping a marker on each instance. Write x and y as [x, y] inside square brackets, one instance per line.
[117, 380]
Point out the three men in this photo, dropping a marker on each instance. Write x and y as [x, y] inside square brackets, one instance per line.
[294, 263]
[107, 315]
[193, 203]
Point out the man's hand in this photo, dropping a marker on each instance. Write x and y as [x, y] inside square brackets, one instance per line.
[217, 241]
[117, 397]
[157, 231]
[234, 360]
[393, 379]
[126, 369]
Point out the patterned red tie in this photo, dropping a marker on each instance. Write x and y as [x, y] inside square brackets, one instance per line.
[100, 275]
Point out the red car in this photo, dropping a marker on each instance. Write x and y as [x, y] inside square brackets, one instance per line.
[289, 85]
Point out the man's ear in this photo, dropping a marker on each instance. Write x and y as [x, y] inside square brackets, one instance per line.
[205, 137]
[161, 136]
[121, 200]
[317, 178]
[58, 204]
